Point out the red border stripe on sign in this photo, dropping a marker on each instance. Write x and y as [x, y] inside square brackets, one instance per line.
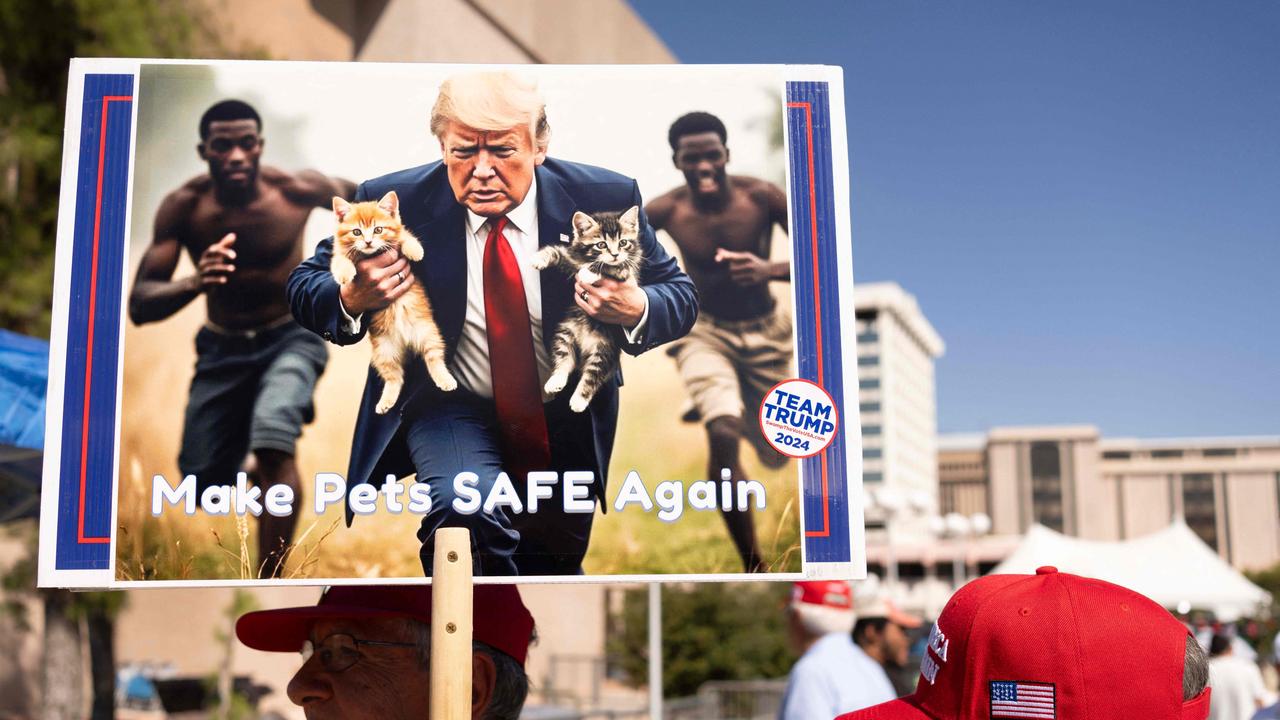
[817, 305]
[93, 294]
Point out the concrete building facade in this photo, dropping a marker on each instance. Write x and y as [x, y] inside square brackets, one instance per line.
[897, 401]
[1072, 480]
[456, 31]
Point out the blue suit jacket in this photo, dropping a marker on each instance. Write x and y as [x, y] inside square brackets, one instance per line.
[429, 209]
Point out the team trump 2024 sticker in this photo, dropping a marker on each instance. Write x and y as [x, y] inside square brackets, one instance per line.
[798, 418]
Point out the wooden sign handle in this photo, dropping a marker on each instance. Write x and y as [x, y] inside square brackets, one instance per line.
[451, 626]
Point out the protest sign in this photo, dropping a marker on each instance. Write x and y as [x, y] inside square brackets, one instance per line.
[229, 404]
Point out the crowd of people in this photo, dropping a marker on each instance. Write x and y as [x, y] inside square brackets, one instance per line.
[1033, 642]
[1048, 645]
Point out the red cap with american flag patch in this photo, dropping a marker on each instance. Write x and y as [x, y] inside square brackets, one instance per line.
[1049, 646]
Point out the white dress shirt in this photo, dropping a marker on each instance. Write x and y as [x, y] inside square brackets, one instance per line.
[470, 364]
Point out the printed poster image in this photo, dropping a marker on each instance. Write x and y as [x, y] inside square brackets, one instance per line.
[309, 313]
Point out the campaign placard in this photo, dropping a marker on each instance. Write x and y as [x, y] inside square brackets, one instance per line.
[308, 313]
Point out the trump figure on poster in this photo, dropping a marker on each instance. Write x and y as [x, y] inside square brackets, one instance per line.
[482, 212]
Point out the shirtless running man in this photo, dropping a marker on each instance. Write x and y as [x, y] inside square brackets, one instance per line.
[242, 226]
[741, 345]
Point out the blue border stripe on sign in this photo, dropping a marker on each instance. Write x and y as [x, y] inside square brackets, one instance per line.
[818, 310]
[88, 435]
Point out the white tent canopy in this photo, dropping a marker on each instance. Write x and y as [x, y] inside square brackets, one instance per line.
[1173, 567]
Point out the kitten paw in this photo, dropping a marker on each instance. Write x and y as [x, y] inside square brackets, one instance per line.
[577, 403]
[344, 275]
[412, 251]
[541, 260]
[446, 383]
[383, 406]
[587, 275]
[556, 383]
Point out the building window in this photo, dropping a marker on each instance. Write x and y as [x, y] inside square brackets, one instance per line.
[869, 407]
[869, 383]
[869, 336]
[1166, 453]
[1199, 506]
[872, 477]
[1116, 454]
[872, 453]
[1220, 452]
[868, 360]
[870, 429]
[1046, 486]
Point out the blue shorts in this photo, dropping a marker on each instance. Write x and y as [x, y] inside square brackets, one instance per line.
[250, 392]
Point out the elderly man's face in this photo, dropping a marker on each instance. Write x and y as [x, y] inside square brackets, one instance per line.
[385, 683]
[490, 171]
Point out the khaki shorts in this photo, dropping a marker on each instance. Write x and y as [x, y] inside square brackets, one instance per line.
[728, 366]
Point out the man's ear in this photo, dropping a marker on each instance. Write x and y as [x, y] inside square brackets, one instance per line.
[200, 150]
[484, 677]
[726, 156]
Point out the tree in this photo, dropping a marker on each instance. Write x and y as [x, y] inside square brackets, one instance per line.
[710, 631]
[40, 38]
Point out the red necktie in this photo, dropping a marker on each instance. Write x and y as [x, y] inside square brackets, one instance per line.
[512, 364]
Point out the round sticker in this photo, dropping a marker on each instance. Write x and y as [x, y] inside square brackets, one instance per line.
[798, 418]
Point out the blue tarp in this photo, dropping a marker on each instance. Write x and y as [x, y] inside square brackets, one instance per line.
[24, 375]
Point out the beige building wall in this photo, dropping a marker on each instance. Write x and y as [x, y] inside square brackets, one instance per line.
[1145, 503]
[1253, 531]
[462, 31]
[1005, 495]
[1095, 514]
[1115, 489]
[962, 480]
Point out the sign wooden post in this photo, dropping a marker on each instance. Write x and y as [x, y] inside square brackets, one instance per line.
[451, 626]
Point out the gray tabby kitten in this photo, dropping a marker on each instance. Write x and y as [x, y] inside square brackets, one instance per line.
[604, 243]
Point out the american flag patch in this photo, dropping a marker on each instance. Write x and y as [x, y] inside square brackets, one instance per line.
[1011, 699]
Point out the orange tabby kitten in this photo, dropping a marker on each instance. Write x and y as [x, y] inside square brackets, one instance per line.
[407, 324]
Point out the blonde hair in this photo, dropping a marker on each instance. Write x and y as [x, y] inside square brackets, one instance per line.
[492, 101]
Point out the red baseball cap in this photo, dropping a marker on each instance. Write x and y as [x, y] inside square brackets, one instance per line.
[827, 593]
[500, 618]
[1049, 645]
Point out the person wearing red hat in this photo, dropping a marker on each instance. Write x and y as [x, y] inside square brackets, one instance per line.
[832, 675]
[1054, 646]
[366, 651]
[882, 631]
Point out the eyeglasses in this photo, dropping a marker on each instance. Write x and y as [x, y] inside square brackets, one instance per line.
[340, 651]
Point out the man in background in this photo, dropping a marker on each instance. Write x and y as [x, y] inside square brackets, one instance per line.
[1272, 712]
[741, 345]
[366, 651]
[1238, 690]
[833, 675]
[241, 223]
[884, 632]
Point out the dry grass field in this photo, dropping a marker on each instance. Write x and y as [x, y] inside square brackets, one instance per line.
[158, 362]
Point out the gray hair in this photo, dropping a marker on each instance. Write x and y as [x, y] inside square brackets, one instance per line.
[1195, 670]
[511, 683]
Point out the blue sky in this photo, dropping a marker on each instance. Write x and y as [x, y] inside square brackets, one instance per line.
[1084, 196]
